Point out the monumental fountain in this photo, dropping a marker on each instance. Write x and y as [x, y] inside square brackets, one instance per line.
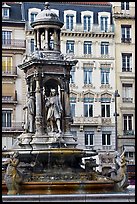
[45, 158]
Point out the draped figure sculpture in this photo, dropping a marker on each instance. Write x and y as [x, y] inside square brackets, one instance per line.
[54, 110]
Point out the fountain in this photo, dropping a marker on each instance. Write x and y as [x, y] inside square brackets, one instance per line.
[44, 158]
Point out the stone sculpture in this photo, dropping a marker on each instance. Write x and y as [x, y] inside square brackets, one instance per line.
[54, 110]
[13, 177]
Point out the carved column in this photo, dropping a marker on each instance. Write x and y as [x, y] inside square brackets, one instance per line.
[39, 128]
[46, 39]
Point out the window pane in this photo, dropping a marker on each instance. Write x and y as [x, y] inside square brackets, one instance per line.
[108, 139]
[103, 110]
[85, 110]
[108, 110]
[90, 110]
[103, 139]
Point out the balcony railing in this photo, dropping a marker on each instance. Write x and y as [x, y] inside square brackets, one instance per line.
[128, 132]
[94, 29]
[15, 126]
[9, 71]
[87, 120]
[10, 99]
[128, 100]
[126, 40]
[9, 43]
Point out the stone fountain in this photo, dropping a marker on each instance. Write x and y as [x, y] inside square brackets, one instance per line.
[46, 159]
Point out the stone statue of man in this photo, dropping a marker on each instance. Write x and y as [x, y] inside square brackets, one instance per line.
[54, 110]
[29, 123]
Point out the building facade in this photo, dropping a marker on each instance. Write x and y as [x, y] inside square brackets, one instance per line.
[13, 48]
[124, 21]
[88, 35]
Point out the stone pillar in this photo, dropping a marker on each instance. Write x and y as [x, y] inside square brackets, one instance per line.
[46, 39]
[35, 39]
[38, 118]
[68, 137]
[55, 40]
[38, 39]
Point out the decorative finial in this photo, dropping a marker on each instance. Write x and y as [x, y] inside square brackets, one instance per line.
[47, 5]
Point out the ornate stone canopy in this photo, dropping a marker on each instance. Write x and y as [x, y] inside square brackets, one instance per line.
[47, 16]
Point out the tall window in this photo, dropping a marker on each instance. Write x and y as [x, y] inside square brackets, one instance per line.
[126, 62]
[72, 73]
[104, 48]
[105, 110]
[104, 23]
[89, 138]
[106, 138]
[124, 5]
[5, 12]
[6, 118]
[70, 46]
[127, 92]
[69, 22]
[72, 109]
[125, 33]
[87, 75]
[72, 104]
[128, 126]
[33, 16]
[87, 23]
[88, 109]
[7, 65]
[105, 74]
[87, 47]
[6, 37]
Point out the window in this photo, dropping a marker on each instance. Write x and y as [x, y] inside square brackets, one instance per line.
[88, 109]
[87, 23]
[6, 37]
[127, 92]
[72, 73]
[33, 16]
[89, 138]
[69, 22]
[104, 48]
[72, 109]
[126, 62]
[105, 110]
[87, 47]
[106, 138]
[104, 23]
[32, 45]
[128, 126]
[7, 65]
[105, 75]
[5, 12]
[87, 75]
[125, 33]
[124, 5]
[70, 46]
[6, 118]
[72, 104]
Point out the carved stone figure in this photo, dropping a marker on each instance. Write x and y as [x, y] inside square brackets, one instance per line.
[29, 119]
[54, 110]
[13, 177]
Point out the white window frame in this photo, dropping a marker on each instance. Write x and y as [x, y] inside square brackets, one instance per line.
[104, 14]
[31, 11]
[90, 14]
[89, 133]
[70, 13]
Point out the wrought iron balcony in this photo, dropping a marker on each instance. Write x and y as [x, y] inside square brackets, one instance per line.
[9, 71]
[9, 43]
[10, 99]
[128, 132]
[128, 100]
